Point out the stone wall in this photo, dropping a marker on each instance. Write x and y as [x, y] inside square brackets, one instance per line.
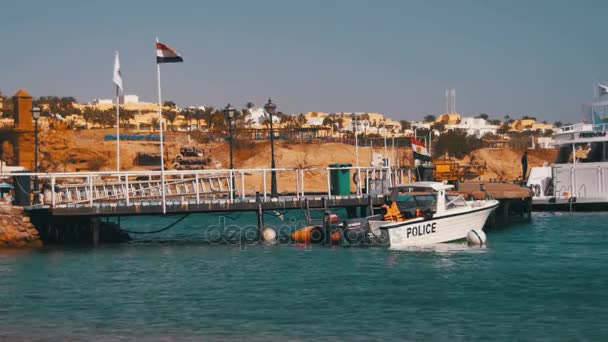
[16, 230]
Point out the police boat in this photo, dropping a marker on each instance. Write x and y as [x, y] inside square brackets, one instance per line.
[423, 213]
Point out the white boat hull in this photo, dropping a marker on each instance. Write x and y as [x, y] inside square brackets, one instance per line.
[451, 226]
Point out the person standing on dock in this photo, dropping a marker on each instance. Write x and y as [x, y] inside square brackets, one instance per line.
[524, 165]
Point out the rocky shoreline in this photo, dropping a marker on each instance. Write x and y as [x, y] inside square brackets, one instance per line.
[16, 229]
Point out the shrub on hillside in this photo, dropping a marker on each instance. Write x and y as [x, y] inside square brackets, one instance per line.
[97, 162]
[456, 143]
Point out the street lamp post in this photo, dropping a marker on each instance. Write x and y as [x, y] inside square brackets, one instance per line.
[270, 109]
[229, 115]
[36, 116]
[353, 118]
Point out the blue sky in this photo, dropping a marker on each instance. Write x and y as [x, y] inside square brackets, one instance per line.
[398, 57]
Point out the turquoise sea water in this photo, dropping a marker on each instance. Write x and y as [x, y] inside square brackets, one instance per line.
[547, 280]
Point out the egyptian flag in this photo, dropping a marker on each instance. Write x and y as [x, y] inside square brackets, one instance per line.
[420, 151]
[165, 54]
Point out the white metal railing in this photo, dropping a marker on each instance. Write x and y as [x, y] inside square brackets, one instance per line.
[129, 187]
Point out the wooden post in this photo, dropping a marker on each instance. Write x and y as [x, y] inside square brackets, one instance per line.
[326, 224]
[529, 207]
[505, 212]
[260, 213]
[96, 228]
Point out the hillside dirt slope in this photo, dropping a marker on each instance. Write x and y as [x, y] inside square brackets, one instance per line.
[79, 150]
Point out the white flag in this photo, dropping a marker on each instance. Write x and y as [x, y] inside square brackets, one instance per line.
[117, 77]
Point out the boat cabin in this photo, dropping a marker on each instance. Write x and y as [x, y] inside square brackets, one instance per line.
[426, 198]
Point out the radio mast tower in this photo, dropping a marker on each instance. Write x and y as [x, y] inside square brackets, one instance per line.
[450, 100]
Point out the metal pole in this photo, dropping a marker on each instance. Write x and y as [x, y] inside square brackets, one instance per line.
[231, 161]
[356, 143]
[91, 190]
[394, 156]
[385, 152]
[328, 183]
[264, 181]
[273, 174]
[297, 184]
[117, 130]
[162, 155]
[231, 186]
[127, 188]
[36, 161]
[242, 185]
[53, 191]
[302, 181]
[198, 197]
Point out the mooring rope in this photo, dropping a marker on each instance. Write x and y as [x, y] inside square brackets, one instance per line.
[159, 230]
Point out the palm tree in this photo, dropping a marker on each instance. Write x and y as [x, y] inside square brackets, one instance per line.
[188, 114]
[154, 123]
[87, 114]
[126, 116]
[208, 116]
[197, 115]
[249, 105]
[300, 120]
[328, 122]
[171, 115]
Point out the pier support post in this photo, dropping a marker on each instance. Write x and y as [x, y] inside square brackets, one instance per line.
[96, 228]
[529, 207]
[327, 227]
[505, 212]
[260, 214]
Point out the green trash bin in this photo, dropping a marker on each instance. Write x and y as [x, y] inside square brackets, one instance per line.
[340, 179]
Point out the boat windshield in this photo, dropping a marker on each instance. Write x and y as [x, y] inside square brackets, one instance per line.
[454, 201]
[408, 203]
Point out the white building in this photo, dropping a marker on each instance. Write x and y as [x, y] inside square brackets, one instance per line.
[315, 121]
[545, 142]
[128, 99]
[258, 116]
[101, 101]
[474, 126]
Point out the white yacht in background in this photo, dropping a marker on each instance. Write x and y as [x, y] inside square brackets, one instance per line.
[578, 179]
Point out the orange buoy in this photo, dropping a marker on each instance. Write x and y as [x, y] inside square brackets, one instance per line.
[313, 234]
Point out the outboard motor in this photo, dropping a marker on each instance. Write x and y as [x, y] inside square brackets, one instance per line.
[357, 232]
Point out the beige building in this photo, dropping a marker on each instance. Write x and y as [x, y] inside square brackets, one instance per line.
[529, 125]
[449, 119]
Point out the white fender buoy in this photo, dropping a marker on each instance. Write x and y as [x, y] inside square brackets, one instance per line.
[476, 237]
[269, 234]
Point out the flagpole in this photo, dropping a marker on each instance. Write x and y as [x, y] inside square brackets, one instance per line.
[117, 130]
[162, 156]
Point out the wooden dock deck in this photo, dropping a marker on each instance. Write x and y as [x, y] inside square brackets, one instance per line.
[515, 200]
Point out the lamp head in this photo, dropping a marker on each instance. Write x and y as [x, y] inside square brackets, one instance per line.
[229, 112]
[270, 107]
[35, 113]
